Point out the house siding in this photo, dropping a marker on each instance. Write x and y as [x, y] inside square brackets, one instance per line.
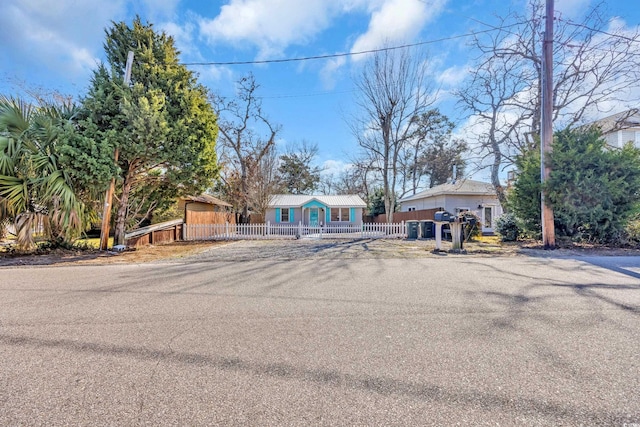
[296, 215]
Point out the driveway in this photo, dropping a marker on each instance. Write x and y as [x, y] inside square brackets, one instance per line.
[322, 339]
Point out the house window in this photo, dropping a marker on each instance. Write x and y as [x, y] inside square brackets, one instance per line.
[411, 208]
[339, 214]
[284, 215]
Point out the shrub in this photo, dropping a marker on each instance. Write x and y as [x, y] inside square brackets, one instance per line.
[472, 228]
[507, 227]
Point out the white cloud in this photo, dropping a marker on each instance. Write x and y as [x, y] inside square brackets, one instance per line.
[335, 167]
[328, 72]
[55, 39]
[161, 9]
[397, 20]
[571, 8]
[453, 76]
[182, 35]
[270, 25]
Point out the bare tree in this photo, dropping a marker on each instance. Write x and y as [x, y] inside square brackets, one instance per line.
[264, 181]
[491, 98]
[242, 147]
[595, 68]
[392, 91]
[358, 179]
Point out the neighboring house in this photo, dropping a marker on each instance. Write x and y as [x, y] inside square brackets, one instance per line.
[461, 195]
[315, 210]
[621, 128]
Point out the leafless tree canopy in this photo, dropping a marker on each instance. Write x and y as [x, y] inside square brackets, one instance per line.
[243, 150]
[393, 89]
[595, 68]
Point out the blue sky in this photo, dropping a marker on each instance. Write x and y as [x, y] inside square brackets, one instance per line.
[55, 45]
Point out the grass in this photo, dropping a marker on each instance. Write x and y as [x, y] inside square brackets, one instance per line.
[93, 242]
[491, 240]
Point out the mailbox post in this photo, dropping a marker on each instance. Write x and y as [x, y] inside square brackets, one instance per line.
[441, 217]
[455, 224]
[456, 234]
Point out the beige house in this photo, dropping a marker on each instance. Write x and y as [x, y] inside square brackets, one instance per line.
[455, 197]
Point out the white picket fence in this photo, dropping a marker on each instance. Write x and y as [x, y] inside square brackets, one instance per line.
[291, 231]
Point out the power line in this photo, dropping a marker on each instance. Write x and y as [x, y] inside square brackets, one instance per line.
[340, 55]
[586, 27]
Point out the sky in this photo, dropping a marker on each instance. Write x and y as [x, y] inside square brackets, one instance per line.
[55, 46]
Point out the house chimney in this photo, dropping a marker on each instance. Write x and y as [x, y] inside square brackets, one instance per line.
[455, 173]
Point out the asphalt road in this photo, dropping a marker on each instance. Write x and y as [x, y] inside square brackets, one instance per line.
[436, 341]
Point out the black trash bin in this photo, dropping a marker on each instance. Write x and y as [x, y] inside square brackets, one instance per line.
[412, 229]
[427, 229]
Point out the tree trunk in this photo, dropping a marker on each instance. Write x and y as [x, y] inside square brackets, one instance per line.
[495, 177]
[244, 188]
[121, 217]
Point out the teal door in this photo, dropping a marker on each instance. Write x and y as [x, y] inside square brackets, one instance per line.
[313, 217]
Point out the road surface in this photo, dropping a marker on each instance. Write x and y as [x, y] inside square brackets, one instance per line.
[215, 340]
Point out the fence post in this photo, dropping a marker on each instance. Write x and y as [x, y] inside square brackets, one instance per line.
[402, 231]
[226, 231]
[268, 228]
[300, 228]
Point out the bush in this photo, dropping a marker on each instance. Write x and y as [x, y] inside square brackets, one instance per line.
[472, 228]
[632, 230]
[592, 189]
[507, 227]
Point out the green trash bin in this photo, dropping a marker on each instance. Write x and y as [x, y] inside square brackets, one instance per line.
[427, 229]
[412, 229]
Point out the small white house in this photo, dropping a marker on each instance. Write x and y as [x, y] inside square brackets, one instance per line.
[619, 129]
[315, 210]
[455, 197]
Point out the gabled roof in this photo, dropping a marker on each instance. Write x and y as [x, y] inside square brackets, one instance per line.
[295, 200]
[208, 199]
[459, 187]
[624, 120]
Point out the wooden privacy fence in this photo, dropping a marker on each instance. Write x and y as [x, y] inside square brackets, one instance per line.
[164, 232]
[291, 231]
[207, 217]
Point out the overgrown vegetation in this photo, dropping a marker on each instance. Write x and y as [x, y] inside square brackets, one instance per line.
[594, 190]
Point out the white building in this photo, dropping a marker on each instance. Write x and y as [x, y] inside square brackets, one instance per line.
[454, 197]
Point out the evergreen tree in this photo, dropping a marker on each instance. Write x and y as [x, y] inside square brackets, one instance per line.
[161, 124]
[593, 189]
[524, 198]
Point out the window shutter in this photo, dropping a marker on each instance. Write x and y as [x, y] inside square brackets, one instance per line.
[327, 215]
[291, 214]
[277, 214]
[352, 214]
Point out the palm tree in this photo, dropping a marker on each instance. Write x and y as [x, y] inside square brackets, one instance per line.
[35, 193]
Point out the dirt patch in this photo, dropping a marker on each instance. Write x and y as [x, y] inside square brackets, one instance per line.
[302, 249]
[139, 255]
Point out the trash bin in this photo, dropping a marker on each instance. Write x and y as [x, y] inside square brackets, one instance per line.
[412, 229]
[427, 229]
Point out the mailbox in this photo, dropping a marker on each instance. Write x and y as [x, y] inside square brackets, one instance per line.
[443, 216]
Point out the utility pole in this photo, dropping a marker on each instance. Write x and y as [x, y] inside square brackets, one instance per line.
[108, 198]
[546, 129]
